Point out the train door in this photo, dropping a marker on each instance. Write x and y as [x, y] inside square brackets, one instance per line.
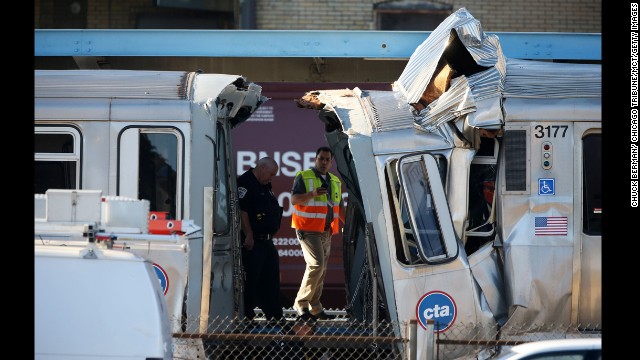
[150, 167]
[226, 266]
[588, 227]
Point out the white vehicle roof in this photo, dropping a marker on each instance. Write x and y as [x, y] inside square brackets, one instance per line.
[544, 346]
[93, 303]
[82, 252]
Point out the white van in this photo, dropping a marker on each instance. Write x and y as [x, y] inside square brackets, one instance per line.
[93, 303]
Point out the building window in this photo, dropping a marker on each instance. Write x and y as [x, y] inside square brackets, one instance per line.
[409, 15]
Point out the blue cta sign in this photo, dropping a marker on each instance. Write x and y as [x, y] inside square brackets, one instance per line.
[439, 307]
[162, 277]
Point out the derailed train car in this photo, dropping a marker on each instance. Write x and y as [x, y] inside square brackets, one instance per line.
[474, 189]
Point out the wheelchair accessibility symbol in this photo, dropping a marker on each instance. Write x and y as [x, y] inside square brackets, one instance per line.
[546, 186]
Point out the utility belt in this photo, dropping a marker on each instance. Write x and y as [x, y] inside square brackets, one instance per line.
[262, 237]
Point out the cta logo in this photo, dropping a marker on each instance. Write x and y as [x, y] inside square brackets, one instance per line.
[163, 278]
[439, 307]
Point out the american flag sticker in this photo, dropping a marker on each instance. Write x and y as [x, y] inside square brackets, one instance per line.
[551, 225]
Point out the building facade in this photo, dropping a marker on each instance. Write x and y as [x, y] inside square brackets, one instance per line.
[571, 16]
[495, 15]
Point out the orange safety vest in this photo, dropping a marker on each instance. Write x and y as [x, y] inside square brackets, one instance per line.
[312, 215]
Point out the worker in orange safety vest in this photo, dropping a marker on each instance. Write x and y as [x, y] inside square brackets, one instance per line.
[318, 209]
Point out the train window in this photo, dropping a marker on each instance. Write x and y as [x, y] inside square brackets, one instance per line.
[419, 197]
[222, 216]
[157, 170]
[423, 224]
[406, 247]
[592, 184]
[56, 158]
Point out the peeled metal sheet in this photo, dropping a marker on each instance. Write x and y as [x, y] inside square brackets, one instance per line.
[110, 83]
[485, 50]
[423, 61]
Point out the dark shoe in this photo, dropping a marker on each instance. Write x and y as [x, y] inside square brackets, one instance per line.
[323, 316]
[306, 316]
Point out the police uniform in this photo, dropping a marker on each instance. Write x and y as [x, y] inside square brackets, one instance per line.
[261, 264]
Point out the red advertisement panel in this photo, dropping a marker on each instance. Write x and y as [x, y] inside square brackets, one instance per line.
[291, 136]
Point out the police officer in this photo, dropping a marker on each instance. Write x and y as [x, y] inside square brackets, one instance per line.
[260, 220]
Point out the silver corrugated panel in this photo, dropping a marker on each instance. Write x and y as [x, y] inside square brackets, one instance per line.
[416, 75]
[454, 103]
[111, 83]
[383, 111]
[465, 94]
[487, 52]
[487, 87]
[538, 79]
[388, 112]
[422, 64]
[489, 83]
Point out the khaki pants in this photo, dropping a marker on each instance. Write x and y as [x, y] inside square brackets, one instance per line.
[316, 248]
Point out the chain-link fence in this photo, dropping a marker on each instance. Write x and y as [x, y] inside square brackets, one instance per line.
[345, 338]
[471, 341]
[340, 338]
